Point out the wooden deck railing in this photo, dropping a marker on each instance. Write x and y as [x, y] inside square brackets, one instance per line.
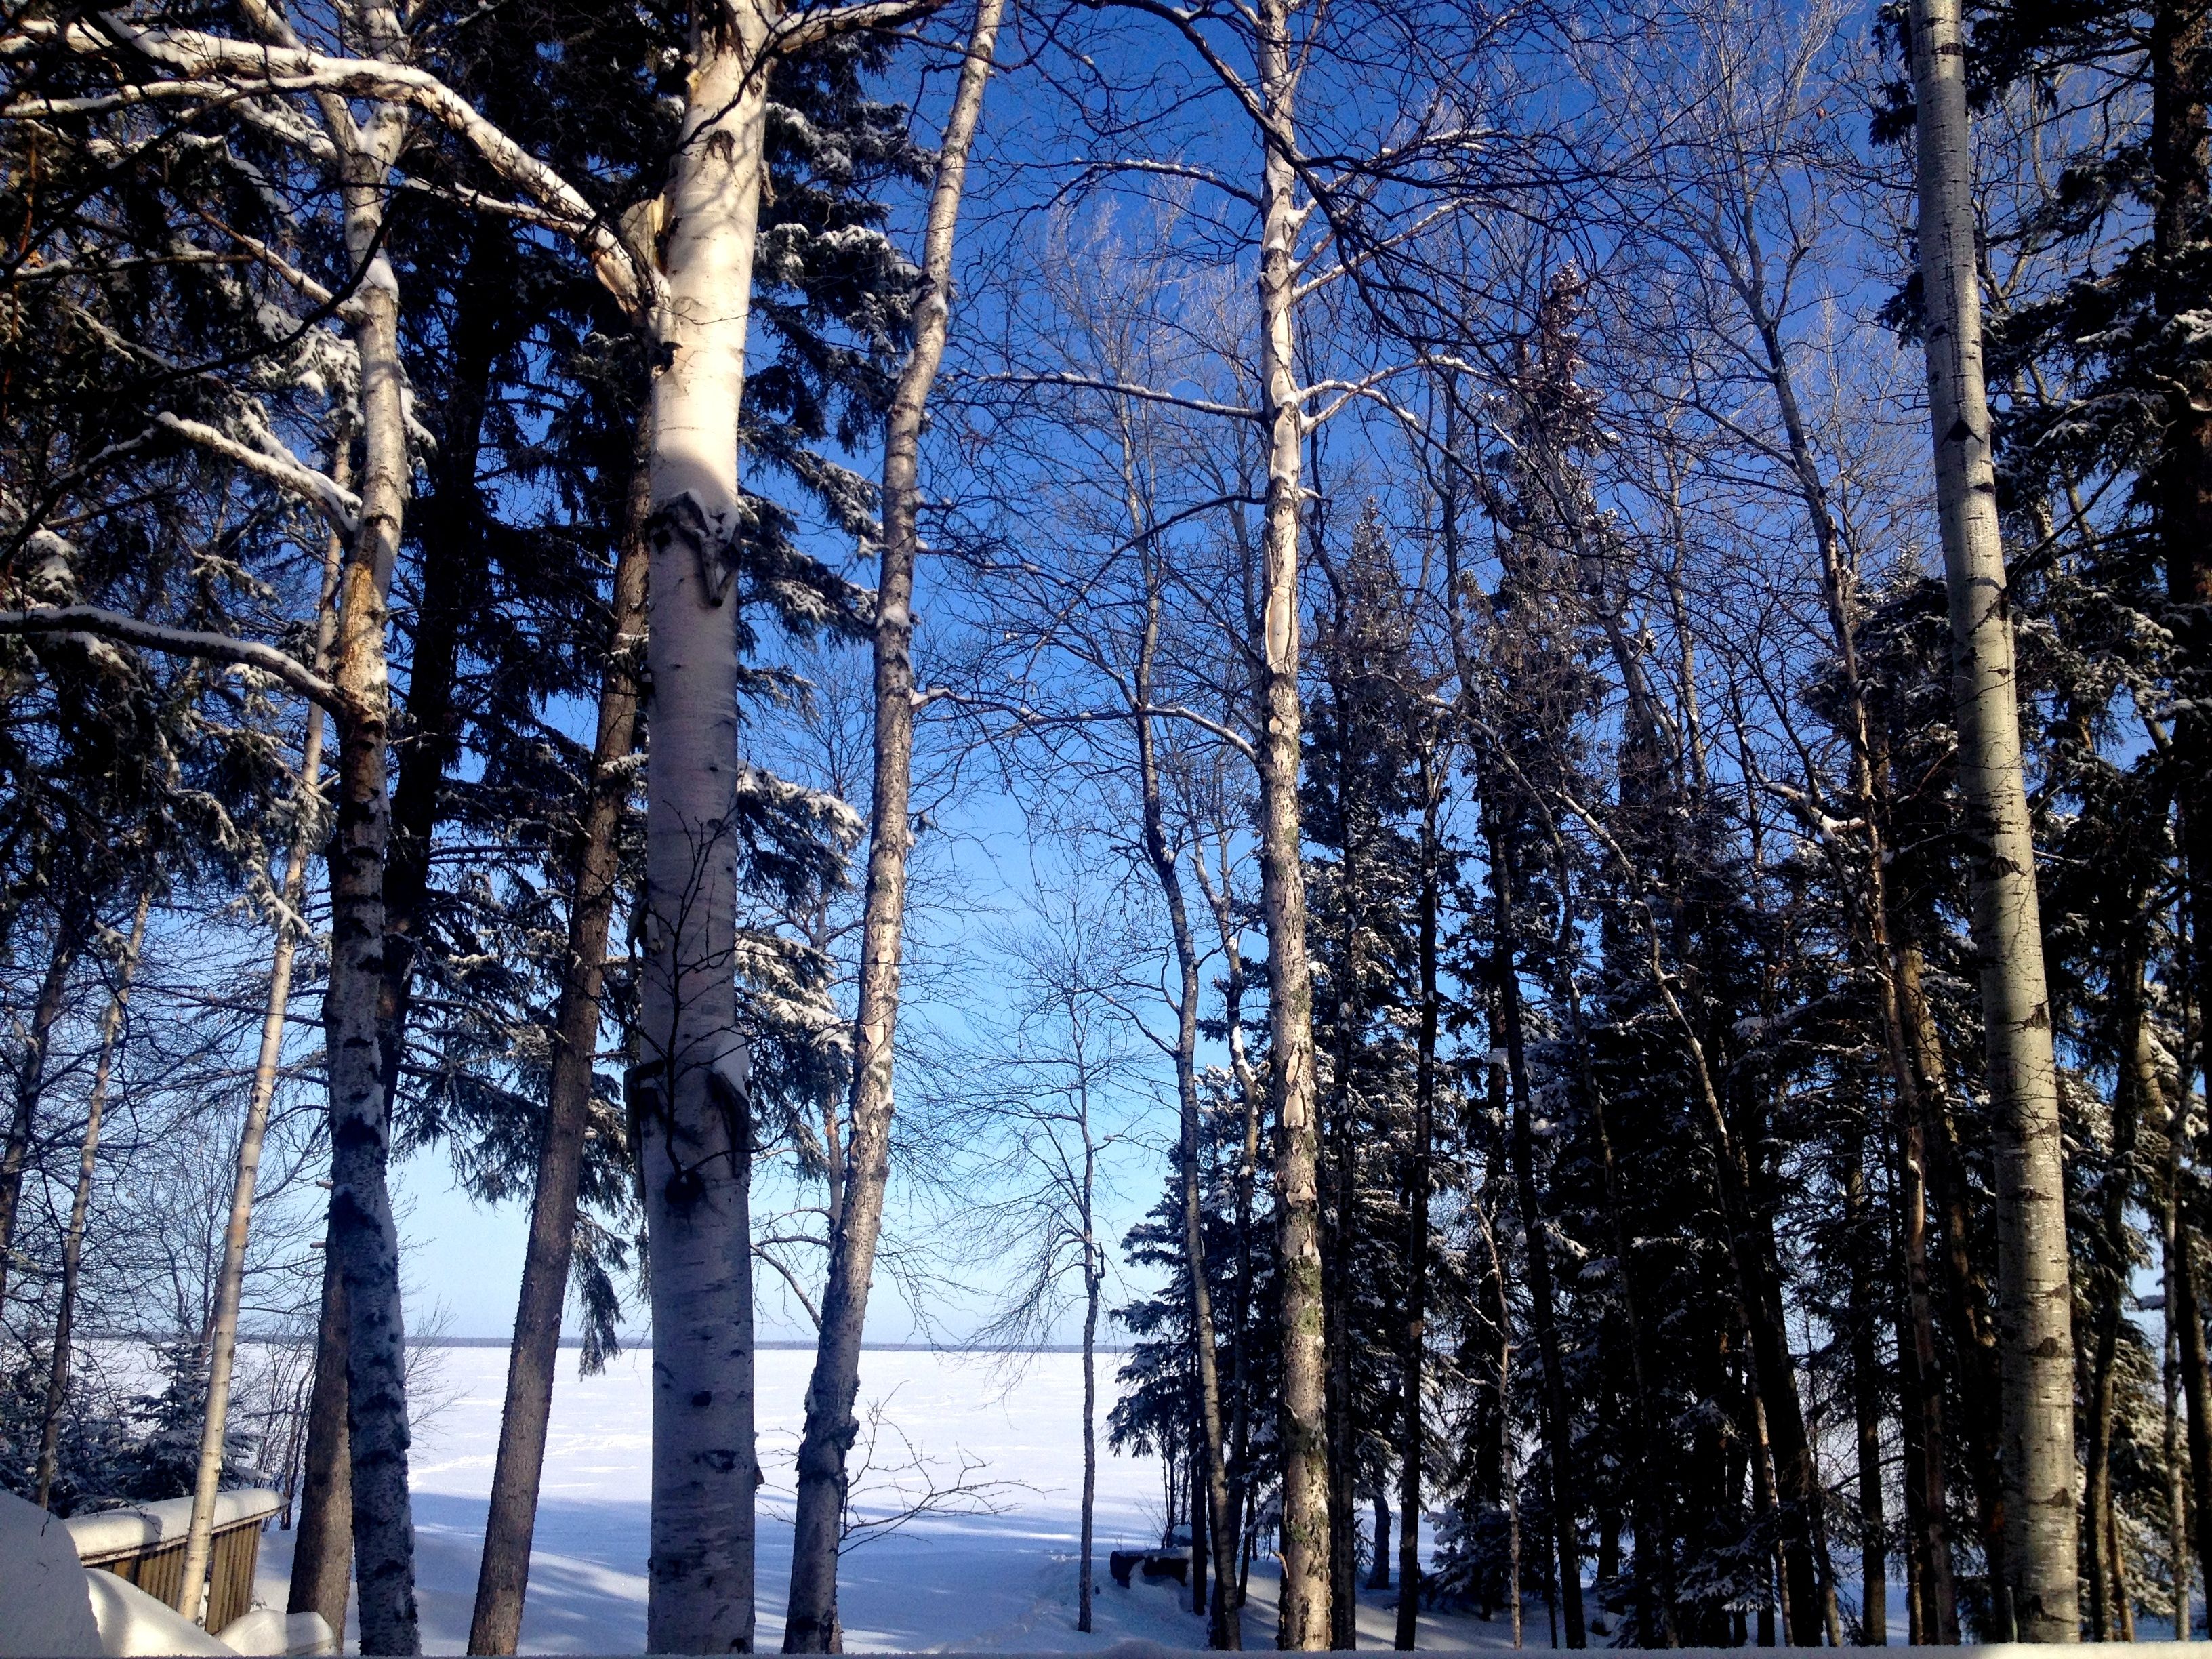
[145, 1546]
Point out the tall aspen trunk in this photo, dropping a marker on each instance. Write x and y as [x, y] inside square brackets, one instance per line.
[1762, 1508]
[1237, 1548]
[2130, 1102]
[689, 1095]
[1412, 1443]
[2178, 1559]
[503, 1577]
[1965, 1307]
[70, 920]
[1378, 1565]
[1225, 1628]
[322, 1549]
[2034, 1296]
[1509, 1476]
[1093, 1274]
[1337, 1289]
[2186, 1313]
[1924, 1396]
[1920, 1369]
[57, 1368]
[1783, 1431]
[365, 1234]
[223, 1347]
[1304, 1620]
[1202, 1578]
[1917, 1624]
[1558, 1452]
[1866, 1412]
[811, 1624]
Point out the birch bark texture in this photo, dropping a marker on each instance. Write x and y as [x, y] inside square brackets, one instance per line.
[689, 1091]
[363, 1230]
[322, 1549]
[810, 1623]
[230, 1281]
[1302, 1417]
[2034, 1296]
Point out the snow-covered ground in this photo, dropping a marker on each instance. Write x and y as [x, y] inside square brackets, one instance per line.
[990, 1582]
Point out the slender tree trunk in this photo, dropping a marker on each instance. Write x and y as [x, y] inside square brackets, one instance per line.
[503, 1579]
[322, 1552]
[2035, 1324]
[1200, 1578]
[222, 1354]
[57, 1369]
[1917, 1624]
[1557, 1422]
[1301, 1431]
[811, 1624]
[1236, 1455]
[1762, 1504]
[1919, 1368]
[1412, 1443]
[2186, 1312]
[1092, 1275]
[366, 1236]
[1336, 1296]
[2124, 1608]
[1839, 585]
[1378, 1565]
[1965, 1306]
[2179, 1558]
[1225, 1628]
[1782, 1430]
[2128, 1105]
[1866, 1410]
[1510, 1480]
[70, 920]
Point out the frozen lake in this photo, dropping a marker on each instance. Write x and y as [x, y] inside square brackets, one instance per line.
[992, 1581]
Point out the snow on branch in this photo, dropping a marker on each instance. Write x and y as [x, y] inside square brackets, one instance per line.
[125, 630]
[335, 502]
[214, 66]
[809, 26]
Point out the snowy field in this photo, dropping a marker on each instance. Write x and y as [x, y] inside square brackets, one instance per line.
[979, 1581]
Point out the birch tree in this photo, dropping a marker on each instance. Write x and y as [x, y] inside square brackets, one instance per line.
[810, 1622]
[2035, 1314]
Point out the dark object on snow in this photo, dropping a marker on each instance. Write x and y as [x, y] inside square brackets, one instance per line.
[1164, 1563]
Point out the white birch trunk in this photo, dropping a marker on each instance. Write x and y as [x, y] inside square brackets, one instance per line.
[223, 1357]
[363, 1231]
[1304, 1610]
[2034, 1298]
[693, 1126]
[810, 1623]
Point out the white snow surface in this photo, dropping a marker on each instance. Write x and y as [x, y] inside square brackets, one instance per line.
[1004, 1582]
